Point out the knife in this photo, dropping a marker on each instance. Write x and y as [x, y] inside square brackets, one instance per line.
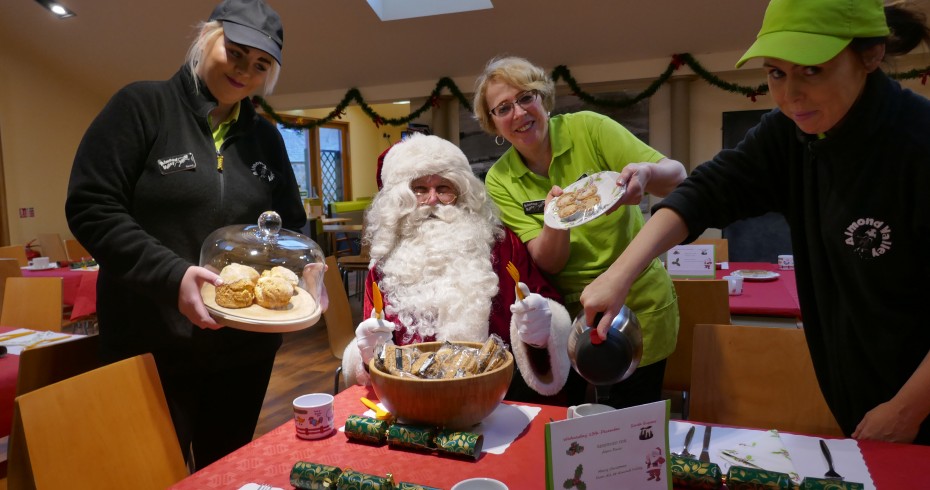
[705, 456]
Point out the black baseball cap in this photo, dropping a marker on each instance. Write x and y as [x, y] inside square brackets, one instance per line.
[251, 23]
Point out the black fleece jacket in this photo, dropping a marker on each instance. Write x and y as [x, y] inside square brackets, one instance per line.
[145, 192]
[858, 206]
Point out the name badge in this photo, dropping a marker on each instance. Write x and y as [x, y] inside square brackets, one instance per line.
[177, 163]
[534, 207]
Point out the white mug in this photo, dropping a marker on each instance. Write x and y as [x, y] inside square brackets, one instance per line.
[786, 262]
[586, 409]
[313, 415]
[479, 484]
[734, 285]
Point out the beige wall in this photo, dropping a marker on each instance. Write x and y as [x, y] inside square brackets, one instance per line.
[42, 118]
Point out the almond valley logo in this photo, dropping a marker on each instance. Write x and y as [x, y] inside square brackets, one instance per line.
[868, 237]
[260, 170]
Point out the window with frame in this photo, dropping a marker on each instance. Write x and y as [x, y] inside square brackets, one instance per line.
[320, 159]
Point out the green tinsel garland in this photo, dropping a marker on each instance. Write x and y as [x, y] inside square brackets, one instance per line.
[560, 72]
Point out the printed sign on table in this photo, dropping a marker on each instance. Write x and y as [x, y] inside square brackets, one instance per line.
[626, 448]
[691, 261]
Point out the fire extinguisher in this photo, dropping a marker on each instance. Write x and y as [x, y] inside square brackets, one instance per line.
[31, 252]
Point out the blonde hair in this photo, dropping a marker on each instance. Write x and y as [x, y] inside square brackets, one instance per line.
[517, 72]
[210, 32]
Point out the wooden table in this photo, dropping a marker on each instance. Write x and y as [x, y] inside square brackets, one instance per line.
[79, 288]
[269, 458]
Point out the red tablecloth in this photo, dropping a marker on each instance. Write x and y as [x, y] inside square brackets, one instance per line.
[9, 369]
[770, 298]
[269, 459]
[79, 289]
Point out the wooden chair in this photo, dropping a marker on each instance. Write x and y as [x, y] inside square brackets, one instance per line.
[75, 250]
[357, 264]
[757, 377]
[338, 317]
[52, 247]
[721, 247]
[32, 302]
[17, 252]
[699, 301]
[52, 363]
[105, 429]
[8, 268]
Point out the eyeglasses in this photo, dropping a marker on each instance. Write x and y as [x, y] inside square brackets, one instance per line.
[446, 195]
[504, 109]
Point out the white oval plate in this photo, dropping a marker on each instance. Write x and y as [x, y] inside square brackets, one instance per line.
[756, 275]
[607, 190]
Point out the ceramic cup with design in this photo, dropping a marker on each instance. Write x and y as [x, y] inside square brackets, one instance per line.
[586, 409]
[734, 285]
[480, 484]
[313, 415]
[786, 262]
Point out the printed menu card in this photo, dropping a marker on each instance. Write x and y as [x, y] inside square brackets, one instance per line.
[691, 261]
[625, 448]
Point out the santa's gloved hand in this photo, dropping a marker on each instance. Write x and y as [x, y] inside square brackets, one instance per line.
[532, 317]
[370, 333]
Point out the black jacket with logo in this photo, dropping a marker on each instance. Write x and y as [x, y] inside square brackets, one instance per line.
[858, 206]
[145, 192]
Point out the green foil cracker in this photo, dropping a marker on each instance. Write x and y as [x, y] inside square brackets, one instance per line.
[742, 478]
[367, 429]
[693, 474]
[459, 443]
[410, 436]
[312, 476]
[353, 480]
[824, 484]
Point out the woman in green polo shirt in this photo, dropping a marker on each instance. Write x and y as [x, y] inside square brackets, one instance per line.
[513, 98]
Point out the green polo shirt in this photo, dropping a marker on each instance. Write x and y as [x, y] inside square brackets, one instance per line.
[219, 134]
[585, 143]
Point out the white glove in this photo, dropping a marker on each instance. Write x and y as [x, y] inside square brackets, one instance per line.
[532, 317]
[370, 333]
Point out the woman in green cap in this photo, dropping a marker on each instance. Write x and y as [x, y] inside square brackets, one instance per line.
[846, 159]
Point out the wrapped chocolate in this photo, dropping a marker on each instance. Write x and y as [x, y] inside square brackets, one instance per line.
[367, 429]
[742, 478]
[353, 480]
[312, 476]
[693, 474]
[410, 436]
[825, 484]
[466, 444]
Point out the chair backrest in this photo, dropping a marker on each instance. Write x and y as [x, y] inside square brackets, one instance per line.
[75, 250]
[338, 317]
[32, 302]
[52, 247]
[699, 301]
[105, 429]
[52, 363]
[17, 252]
[758, 377]
[8, 268]
[721, 247]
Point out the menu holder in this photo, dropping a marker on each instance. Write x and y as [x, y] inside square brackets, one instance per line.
[694, 261]
[625, 448]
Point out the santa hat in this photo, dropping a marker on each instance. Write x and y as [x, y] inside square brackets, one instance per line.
[421, 155]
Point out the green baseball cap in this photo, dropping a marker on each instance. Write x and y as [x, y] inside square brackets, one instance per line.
[810, 32]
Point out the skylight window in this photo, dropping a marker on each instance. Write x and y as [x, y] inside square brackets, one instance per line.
[406, 9]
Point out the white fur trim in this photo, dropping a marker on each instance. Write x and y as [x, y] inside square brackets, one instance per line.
[421, 155]
[353, 372]
[551, 382]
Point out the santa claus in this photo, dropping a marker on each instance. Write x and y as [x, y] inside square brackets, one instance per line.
[439, 255]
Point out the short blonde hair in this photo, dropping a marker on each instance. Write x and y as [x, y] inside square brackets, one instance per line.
[517, 72]
[210, 32]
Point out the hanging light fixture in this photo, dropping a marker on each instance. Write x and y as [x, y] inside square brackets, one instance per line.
[56, 8]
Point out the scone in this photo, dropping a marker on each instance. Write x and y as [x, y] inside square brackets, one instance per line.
[284, 273]
[238, 289]
[273, 292]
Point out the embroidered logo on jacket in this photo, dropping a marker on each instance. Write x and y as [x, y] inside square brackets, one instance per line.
[868, 237]
[260, 170]
[177, 163]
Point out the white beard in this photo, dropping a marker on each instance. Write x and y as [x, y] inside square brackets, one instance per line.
[439, 277]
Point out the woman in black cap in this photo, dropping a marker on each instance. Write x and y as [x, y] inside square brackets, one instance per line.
[846, 159]
[162, 166]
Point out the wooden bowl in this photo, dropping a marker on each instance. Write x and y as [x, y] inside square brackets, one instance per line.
[457, 403]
